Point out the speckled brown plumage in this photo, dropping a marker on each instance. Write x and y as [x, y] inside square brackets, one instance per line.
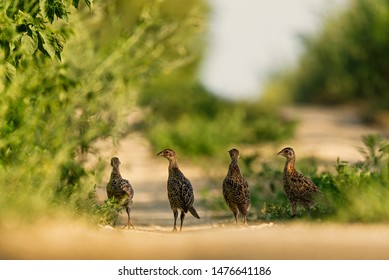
[179, 189]
[298, 188]
[120, 189]
[235, 189]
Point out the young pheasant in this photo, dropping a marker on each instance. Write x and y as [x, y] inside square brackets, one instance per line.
[235, 189]
[298, 188]
[179, 189]
[120, 189]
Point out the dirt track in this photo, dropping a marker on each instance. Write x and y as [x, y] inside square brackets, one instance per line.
[262, 241]
[321, 133]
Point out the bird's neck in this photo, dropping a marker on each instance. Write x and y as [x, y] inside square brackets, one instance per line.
[234, 167]
[290, 166]
[173, 165]
[115, 173]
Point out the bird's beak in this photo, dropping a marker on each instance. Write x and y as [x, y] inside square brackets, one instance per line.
[279, 153]
[160, 153]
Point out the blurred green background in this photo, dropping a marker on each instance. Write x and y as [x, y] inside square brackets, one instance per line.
[72, 71]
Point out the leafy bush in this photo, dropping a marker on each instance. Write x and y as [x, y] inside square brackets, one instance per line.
[54, 111]
[346, 61]
[360, 190]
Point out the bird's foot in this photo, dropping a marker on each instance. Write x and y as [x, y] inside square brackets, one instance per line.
[129, 225]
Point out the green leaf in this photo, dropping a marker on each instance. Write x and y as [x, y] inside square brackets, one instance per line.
[89, 3]
[59, 43]
[52, 8]
[51, 44]
[47, 45]
[60, 11]
[75, 3]
[9, 70]
[47, 7]
[29, 44]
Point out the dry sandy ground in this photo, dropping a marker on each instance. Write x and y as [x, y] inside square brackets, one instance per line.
[323, 133]
[261, 241]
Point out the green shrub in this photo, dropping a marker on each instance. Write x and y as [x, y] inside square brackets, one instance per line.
[345, 62]
[61, 96]
[363, 186]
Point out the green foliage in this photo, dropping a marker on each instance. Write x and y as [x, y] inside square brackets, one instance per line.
[184, 116]
[347, 61]
[27, 27]
[354, 192]
[54, 111]
[107, 213]
[362, 188]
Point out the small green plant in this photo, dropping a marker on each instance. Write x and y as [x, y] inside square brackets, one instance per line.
[108, 212]
[271, 211]
[363, 186]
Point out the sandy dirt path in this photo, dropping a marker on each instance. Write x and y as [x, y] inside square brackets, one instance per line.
[329, 133]
[258, 241]
[323, 133]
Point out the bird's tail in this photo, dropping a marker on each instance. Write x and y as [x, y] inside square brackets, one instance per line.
[194, 212]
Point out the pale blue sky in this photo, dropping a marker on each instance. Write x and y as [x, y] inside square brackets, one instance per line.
[250, 38]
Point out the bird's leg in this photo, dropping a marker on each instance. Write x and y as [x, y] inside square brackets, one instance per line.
[175, 213]
[129, 224]
[308, 208]
[245, 220]
[182, 217]
[236, 217]
[294, 209]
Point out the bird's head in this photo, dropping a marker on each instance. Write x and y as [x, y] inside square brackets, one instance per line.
[287, 153]
[234, 153]
[167, 153]
[115, 162]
